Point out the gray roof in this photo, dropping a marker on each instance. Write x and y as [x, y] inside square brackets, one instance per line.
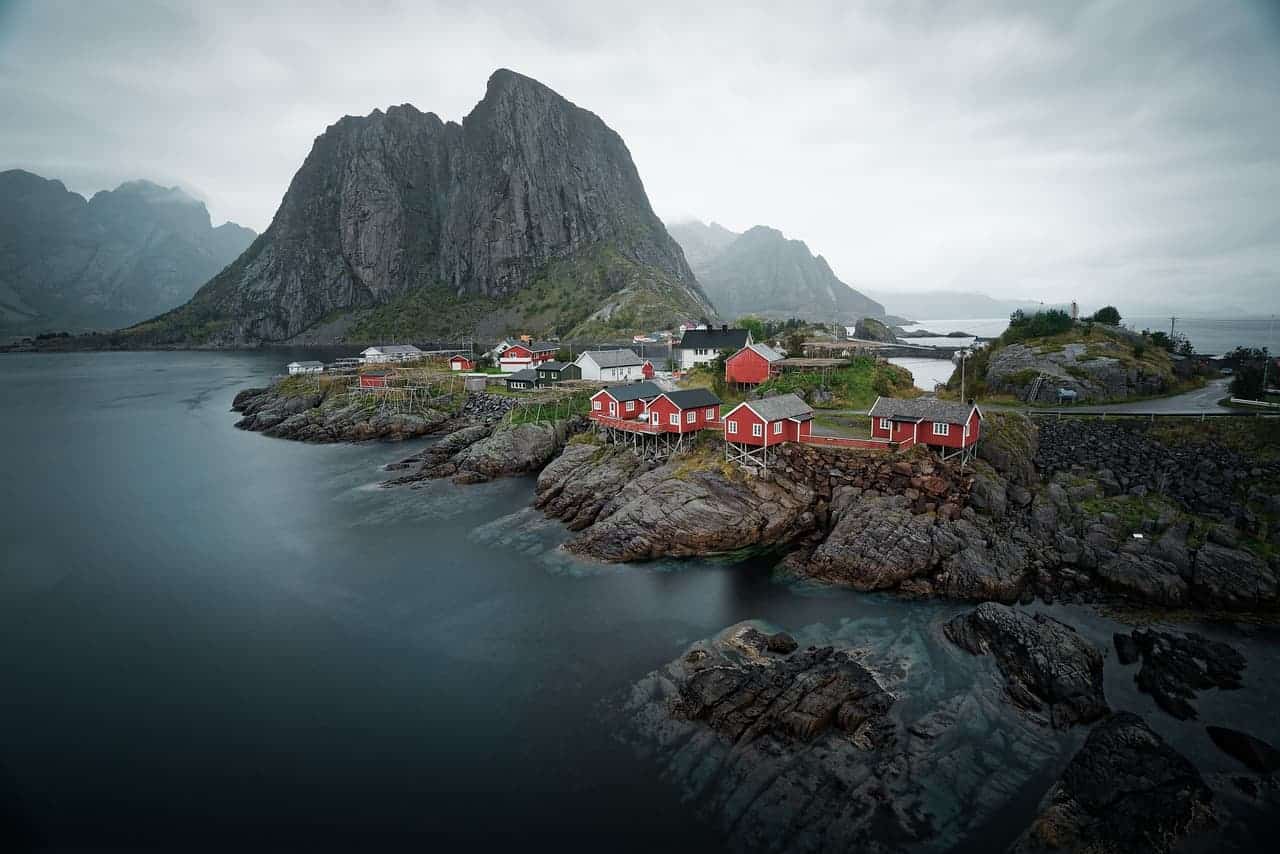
[635, 391]
[613, 358]
[396, 349]
[714, 339]
[552, 365]
[769, 354]
[692, 398]
[528, 375]
[308, 364]
[540, 346]
[921, 409]
[781, 406]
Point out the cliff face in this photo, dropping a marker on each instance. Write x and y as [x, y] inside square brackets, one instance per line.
[399, 201]
[763, 273]
[125, 254]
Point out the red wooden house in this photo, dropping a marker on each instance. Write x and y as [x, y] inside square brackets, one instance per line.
[376, 379]
[623, 402]
[685, 411]
[752, 365]
[751, 428]
[951, 427]
[462, 363]
[526, 354]
[647, 369]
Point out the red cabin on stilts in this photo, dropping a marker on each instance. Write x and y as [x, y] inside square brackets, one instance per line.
[952, 428]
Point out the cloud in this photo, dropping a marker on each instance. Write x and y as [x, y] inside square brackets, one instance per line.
[1099, 151]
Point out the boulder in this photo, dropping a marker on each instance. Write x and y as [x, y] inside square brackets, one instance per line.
[1050, 672]
[1175, 668]
[1254, 752]
[1231, 578]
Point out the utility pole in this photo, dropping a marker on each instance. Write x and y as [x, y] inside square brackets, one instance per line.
[1266, 362]
[1172, 322]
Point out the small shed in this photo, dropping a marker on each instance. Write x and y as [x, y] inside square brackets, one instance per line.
[523, 380]
[309, 367]
[550, 373]
[462, 363]
[376, 379]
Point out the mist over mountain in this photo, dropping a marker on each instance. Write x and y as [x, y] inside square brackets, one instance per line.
[924, 305]
[67, 263]
[529, 215]
[762, 272]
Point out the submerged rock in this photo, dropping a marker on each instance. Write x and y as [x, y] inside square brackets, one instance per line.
[1254, 752]
[1125, 790]
[1050, 671]
[1175, 668]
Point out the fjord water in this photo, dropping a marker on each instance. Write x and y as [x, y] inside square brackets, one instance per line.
[210, 637]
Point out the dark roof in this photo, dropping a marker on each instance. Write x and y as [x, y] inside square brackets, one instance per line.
[552, 365]
[539, 346]
[714, 339]
[527, 375]
[692, 398]
[781, 406]
[612, 358]
[921, 409]
[635, 391]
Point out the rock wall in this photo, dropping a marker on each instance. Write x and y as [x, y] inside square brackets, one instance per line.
[1013, 368]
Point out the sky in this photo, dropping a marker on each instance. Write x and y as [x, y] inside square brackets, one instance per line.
[1107, 152]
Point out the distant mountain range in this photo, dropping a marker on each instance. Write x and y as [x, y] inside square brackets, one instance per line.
[762, 273]
[67, 263]
[949, 305]
[528, 216]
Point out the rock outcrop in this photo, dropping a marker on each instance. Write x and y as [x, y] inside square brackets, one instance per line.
[1050, 671]
[1098, 370]
[400, 202]
[317, 417]
[1175, 668]
[1125, 790]
[1257, 754]
[122, 256]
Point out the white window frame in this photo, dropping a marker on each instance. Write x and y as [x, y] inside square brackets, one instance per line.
[674, 419]
[595, 404]
[691, 416]
[711, 413]
[733, 426]
[631, 406]
[654, 418]
[757, 430]
[613, 409]
[886, 425]
[941, 428]
[777, 428]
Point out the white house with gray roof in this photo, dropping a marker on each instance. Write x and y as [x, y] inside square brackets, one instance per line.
[610, 365]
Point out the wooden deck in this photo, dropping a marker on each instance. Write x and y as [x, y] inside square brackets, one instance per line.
[861, 444]
[630, 425]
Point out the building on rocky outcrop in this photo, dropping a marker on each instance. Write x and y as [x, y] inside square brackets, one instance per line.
[610, 365]
[390, 353]
[376, 379]
[309, 367]
[751, 427]
[752, 365]
[952, 428]
[526, 354]
[460, 362]
[700, 346]
[522, 380]
[685, 411]
[623, 402]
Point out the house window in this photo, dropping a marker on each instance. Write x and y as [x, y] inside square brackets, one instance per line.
[691, 416]
[777, 428]
[595, 404]
[886, 425]
[733, 426]
[757, 429]
[653, 418]
[674, 418]
[631, 406]
[940, 429]
[711, 413]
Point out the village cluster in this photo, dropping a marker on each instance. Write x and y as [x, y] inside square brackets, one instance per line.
[639, 405]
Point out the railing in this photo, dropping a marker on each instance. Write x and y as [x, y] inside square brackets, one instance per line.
[863, 444]
[629, 424]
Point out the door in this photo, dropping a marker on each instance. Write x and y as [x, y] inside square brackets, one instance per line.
[613, 409]
[653, 418]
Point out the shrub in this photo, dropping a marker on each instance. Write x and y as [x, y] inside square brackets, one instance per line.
[1042, 324]
[1107, 314]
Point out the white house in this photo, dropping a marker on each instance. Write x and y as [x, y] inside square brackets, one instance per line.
[305, 367]
[610, 365]
[390, 353]
[700, 346]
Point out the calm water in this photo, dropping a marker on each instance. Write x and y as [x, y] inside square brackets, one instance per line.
[212, 638]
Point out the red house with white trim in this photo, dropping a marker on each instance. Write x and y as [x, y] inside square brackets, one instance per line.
[461, 363]
[376, 379]
[752, 365]
[772, 421]
[948, 426]
[625, 402]
[647, 369]
[521, 355]
[685, 411]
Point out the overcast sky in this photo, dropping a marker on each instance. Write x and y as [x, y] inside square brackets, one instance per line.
[1121, 152]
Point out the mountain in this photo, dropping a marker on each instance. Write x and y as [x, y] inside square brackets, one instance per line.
[124, 255]
[763, 273]
[528, 216]
[926, 305]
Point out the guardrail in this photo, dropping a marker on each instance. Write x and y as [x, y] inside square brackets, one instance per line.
[1200, 415]
[861, 444]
